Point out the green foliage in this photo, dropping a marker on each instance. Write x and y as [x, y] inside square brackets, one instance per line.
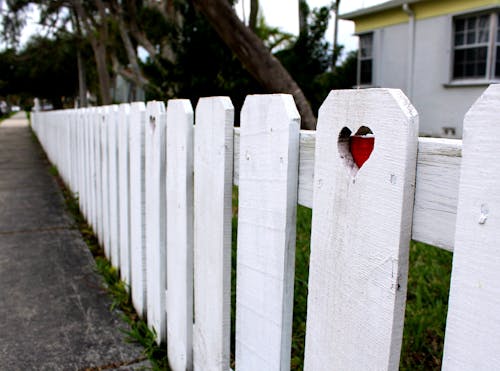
[309, 59]
[44, 68]
[426, 307]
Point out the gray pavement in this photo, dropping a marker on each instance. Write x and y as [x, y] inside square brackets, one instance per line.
[54, 314]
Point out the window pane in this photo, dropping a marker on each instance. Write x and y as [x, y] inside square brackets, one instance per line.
[470, 62]
[366, 45]
[483, 36]
[460, 25]
[459, 38]
[471, 23]
[471, 37]
[497, 63]
[366, 72]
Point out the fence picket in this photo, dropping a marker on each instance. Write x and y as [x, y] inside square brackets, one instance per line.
[106, 113]
[124, 195]
[268, 181]
[137, 207]
[97, 120]
[472, 327]
[213, 176]
[361, 230]
[155, 217]
[113, 192]
[179, 188]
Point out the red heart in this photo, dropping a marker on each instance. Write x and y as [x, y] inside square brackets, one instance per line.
[361, 148]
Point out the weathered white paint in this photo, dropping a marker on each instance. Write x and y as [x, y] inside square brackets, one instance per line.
[106, 113]
[436, 193]
[155, 217]
[114, 191]
[92, 166]
[438, 172]
[124, 195]
[472, 328]
[179, 188]
[361, 231]
[268, 181]
[213, 176]
[138, 207]
[98, 171]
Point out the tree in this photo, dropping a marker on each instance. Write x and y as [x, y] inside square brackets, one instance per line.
[253, 54]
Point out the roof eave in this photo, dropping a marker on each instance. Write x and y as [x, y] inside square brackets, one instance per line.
[376, 8]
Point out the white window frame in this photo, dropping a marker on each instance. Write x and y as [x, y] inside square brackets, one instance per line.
[491, 44]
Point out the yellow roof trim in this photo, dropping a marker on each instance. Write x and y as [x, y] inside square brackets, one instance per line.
[423, 10]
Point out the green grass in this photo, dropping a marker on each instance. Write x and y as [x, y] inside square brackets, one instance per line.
[138, 331]
[427, 298]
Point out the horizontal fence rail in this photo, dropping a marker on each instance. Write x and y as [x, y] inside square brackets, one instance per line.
[155, 183]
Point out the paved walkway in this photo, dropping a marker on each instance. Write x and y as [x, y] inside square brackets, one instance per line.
[54, 314]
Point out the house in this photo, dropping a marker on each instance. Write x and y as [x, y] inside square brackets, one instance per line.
[441, 53]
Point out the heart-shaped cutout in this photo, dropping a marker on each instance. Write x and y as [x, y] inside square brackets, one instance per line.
[355, 149]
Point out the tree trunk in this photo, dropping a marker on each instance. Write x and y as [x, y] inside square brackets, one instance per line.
[336, 51]
[254, 56]
[254, 12]
[82, 82]
[303, 13]
[102, 72]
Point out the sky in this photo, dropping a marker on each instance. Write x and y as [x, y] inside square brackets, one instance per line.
[277, 13]
[284, 14]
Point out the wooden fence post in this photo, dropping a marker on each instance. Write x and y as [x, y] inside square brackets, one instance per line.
[105, 116]
[114, 191]
[137, 207]
[213, 183]
[156, 259]
[179, 188]
[124, 195]
[96, 122]
[472, 340]
[361, 231]
[268, 180]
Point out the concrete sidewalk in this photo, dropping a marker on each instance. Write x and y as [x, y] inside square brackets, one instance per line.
[54, 314]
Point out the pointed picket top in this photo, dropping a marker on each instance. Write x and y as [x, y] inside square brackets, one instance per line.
[472, 326]
[213, 175]
[155, 172]
[361, 230]
[268, 180]
[137, 207]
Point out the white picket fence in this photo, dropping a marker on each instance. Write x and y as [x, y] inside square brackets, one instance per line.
[156, 184]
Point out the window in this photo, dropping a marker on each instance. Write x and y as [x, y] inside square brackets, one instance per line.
[476, 44]
[365, 59]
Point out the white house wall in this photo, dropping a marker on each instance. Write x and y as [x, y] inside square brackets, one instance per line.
[391, 56]
[439, 106]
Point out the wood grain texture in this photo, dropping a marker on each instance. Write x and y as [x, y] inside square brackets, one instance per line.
[361, 230]
[213, 176]
[179, 188]
[106, 117]
[124, 194]
[155, 161]
[438, 173]
[138, 207]
[268, 181]
[471, 340]
[436, 192]
[114, 191]
[98, 172]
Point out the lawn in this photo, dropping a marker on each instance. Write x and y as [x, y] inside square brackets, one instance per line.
[427, 298]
